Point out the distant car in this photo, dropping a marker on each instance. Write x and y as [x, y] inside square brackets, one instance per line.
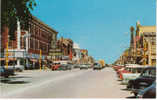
[83, 66]
[55, 67]
[147, 77]
[116, 68]
[63, 67]
[6, 72]
[97, 66]
[76, 66]
[149, 92]
[89, 65]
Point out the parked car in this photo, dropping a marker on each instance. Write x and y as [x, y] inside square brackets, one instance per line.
[66, 66]
[63, 67]
[89, 66]
[76, 66]
[149, 92]
[97, 66]
[83, 66]
[18, 68]
[147, 77]
[117, 67]
[6, 72]
[134, 72]
[122, 71]
[55, 67]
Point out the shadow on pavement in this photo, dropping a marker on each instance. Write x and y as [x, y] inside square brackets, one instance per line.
[119, 80]
[131, 97]
[13, 82]
[125, 89]
[16, 77]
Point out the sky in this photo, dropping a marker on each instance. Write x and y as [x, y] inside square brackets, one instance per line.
[100, 26]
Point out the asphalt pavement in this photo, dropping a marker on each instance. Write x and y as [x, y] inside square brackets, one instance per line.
[64, 84]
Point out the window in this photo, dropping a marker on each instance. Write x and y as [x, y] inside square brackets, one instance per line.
[31, 43]
[149, 72]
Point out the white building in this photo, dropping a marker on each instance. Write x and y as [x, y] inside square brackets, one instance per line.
[77, 55]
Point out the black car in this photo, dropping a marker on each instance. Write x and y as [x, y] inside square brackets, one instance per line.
[149, 92]
[6, 72]
[147, 77]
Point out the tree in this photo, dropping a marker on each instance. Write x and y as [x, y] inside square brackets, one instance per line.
[13, 10]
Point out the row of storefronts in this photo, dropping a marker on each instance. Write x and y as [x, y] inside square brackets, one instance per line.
[38, 43]
[142, 48]
[30, 45]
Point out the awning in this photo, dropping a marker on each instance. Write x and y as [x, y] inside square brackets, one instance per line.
[8, 59]
[34, 60]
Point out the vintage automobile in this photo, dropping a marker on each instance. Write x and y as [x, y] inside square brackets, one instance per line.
[149, 92]
[147, 77]
[97, 66]
[83, 66]
[116, 68]
[6, 72]
[89, 66]
[76, 66]
[121, 71]
[65, 67]
[55, 66]
[134, 72]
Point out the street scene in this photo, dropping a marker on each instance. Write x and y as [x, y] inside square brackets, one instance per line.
[78, 49]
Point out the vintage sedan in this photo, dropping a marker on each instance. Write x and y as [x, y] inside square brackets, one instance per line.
[83, 66]
[135, 72]
[97, 66]
[6, 72]
[122, 71]
[149, 92]
[147, 77]
[117, 67]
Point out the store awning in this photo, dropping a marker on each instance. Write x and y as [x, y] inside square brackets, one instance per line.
[8, 59]
[34, 60]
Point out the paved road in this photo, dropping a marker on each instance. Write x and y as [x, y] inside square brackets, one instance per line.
[65, 84]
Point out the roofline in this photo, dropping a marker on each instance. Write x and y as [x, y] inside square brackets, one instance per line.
[35, 18]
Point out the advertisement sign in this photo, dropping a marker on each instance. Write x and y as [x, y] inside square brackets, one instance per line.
[19, 54]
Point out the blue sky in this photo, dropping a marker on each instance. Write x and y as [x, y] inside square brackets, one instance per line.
[101, 26]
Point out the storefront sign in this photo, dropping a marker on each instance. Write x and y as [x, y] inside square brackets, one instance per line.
[19, 54]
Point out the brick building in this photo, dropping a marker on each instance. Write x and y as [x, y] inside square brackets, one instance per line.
[63, 50]
[40, 37]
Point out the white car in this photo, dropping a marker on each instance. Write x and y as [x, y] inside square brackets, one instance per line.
[18, 68]
[135, 72]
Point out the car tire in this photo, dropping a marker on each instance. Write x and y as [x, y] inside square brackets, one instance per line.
[135, 94]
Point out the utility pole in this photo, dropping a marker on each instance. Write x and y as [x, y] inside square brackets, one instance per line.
[40, 58]
[7, 55]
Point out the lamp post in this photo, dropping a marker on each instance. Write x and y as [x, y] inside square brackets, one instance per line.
[40, 58]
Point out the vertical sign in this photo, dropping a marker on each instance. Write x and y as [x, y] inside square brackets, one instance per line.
[40, 58]
[7, 55]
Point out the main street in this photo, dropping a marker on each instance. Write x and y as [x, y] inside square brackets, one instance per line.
[74, 83]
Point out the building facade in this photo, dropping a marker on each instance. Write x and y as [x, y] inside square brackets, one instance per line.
[63, 50]
[146, 44]
[142, 48]
[39, 37]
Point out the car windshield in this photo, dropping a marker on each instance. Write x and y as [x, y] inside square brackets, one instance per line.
[149, 72]
[95, 63]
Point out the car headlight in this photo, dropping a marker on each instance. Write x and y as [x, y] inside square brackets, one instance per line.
[139, 96]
